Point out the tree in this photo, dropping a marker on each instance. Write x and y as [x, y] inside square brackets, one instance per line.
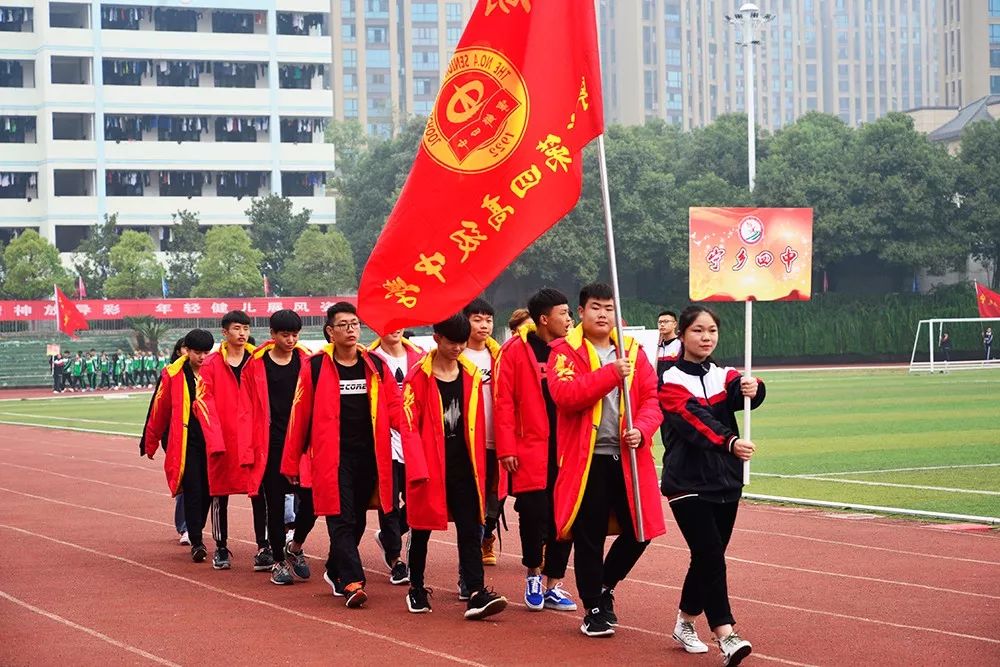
[349, 143]
[980, 184]
[148, 332]
[183, 252]
[229, 265]
[33, 267]
[93, 259]
[135, 273]
[720, 148]
[321, 264]
[275, 229]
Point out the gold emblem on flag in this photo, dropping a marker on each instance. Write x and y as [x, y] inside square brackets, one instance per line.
[480, 113]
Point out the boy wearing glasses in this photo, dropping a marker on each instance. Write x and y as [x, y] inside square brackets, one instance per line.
[346, 402]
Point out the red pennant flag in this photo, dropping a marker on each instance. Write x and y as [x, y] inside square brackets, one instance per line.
[500, 161]
[81, 289]
[68, 318]
[267, 286]
[988, 302]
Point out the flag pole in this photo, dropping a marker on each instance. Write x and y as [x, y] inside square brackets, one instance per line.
[619, 349]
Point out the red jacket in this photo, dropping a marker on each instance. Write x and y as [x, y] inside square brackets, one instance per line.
[423, 442]
[254, 457]
[233, 407]
[578, 382]
[171, 409]
[315, 424]
[520, 420]
[413, 352]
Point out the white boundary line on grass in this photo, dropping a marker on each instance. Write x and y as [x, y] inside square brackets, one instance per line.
[992, 520]
[102, 396]
[917, 469]
[90, 631]
[919, 487]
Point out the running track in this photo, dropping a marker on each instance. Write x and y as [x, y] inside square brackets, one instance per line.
[94, 576]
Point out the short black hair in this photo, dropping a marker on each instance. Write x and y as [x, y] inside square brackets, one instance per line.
[235, 317]
[337, 308]
[598, 291]
[456, 328]
[286, 320]
[478, 307]
[176, 353]
[667, 312]
[543, 301]
[199, 340]
[407, 333]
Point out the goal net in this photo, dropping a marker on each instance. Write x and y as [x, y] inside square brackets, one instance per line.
[953, 344]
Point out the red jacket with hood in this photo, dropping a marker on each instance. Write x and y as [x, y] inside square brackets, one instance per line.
[232, 403]
[314, 428]
[578, 383]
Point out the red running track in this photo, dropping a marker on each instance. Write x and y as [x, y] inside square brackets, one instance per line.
[98, 578]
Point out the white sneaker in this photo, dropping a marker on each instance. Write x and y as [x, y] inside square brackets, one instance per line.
[687, 636]
[185, 539]
[734, 648]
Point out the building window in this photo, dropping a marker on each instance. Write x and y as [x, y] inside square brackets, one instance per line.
[995, 85]
[347, 8]
[351, 82]
[995, 8]
[453, 34]
[425, 11]
[350, 57]
[377, 9]
[377, 58]
[349, 32]
[995, 33]
[425, 36]
[377, 35]
[351, 108]
[425, 60]
[453, 11]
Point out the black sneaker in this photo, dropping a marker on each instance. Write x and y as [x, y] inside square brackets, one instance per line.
[199, 553]
[595, 624]
[485, 603]
[463, 590]
[608, 606]
[221, 560]
[297, 561]
[263, 561]
[400, 574]
[335, 586]
[417, 602]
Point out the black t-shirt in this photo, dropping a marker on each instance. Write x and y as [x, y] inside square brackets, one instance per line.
[281, 382]
[541, 350]
[238, 370]
[195, 435]
[355, 413]
[456, 453]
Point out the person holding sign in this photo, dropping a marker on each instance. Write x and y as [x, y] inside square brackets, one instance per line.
[703, 475]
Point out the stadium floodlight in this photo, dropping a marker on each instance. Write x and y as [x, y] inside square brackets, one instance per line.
[967, 350]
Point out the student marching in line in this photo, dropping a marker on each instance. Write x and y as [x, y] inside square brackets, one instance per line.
[400, 355]
[525, 419]
[183, 412]
[668, 351]
[444, 446]
[223, 369]
[482, 350]
[703, 476]
[594, 484]
[270, 377]
[346, 402]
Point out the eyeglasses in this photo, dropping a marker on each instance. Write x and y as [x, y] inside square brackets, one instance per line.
[347, 326]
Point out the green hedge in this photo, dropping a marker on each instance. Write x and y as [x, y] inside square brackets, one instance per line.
[832, 325]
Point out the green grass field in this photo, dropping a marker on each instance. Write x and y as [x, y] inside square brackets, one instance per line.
[885, 438]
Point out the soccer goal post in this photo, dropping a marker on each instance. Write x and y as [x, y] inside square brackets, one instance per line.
[964, 349]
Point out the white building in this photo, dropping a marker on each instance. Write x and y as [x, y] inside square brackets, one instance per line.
[142, 110]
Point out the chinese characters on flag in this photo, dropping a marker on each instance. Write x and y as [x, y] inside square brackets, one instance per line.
[988, 302]
[68, 318]
[750, 254]
[500, 161]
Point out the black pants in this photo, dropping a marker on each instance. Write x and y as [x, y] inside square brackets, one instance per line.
[605, 493]
[57, 381]
[494, 506]
[258, 505]
[105, 380]
[393, 524]
[305, 516]
[194, 484]
[463, 505]
[538, 529]
[357, 477]
[92, 380]
[707, 528]
[274, 487]
[220, 521]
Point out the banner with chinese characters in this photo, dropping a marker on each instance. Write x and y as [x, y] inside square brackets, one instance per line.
[750, 254]
[171, 309]
[500, 161]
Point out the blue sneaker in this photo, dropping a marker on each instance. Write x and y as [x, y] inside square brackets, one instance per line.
[556, 598]
[534, 594]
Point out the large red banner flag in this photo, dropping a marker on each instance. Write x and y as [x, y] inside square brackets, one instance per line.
[988, 302]
[68, 318]
[499, 163]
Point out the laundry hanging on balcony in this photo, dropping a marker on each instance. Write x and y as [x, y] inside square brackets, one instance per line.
[12, 19]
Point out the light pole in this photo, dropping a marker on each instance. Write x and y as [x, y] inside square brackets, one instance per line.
[749, 20]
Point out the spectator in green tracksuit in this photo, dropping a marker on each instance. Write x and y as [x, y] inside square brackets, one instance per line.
[135, 369]
[119, 367]
[91, 369]
[149, 366]
[76, 373]
[106, 370]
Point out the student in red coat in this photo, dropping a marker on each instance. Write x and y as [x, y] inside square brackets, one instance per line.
[270, 378]
[594, 485]
[223, 370]
[525, 419]
[345, 404]
[445, 449]
[183, 406]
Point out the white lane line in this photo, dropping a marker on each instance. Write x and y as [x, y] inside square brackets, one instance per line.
[77, 478]
[157, 469]
[71, 428]
[919, 487]
[245, 598]
[917, 469]
[90, 631]
[70, 419]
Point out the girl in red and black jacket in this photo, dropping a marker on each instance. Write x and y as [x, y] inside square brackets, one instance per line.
[703, 475]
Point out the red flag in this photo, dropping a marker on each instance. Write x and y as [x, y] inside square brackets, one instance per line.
[81, 289]
[500, 160]
[988, 302]
[267, 286]
[68, 318]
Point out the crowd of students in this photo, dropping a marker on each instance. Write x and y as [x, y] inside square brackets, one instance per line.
[441, 437]
[93, 370]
